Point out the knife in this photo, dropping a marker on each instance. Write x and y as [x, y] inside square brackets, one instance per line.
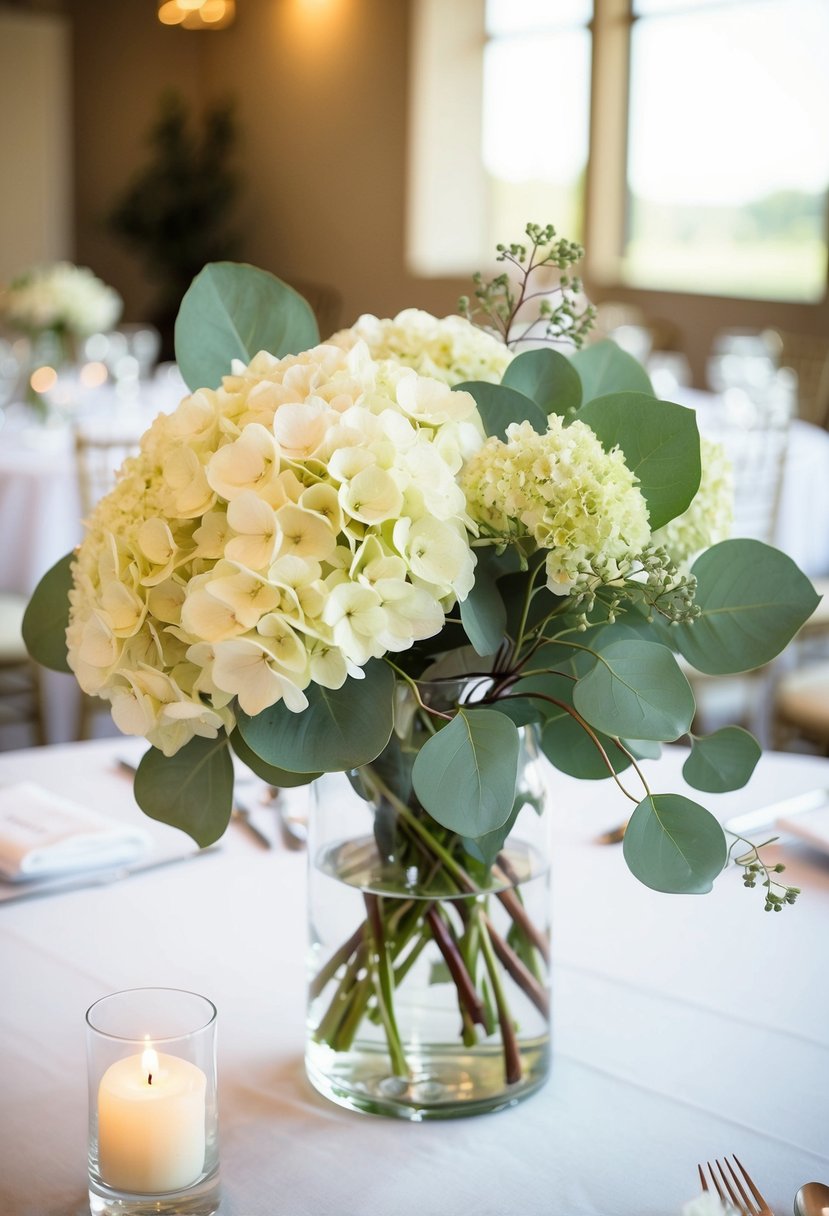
[98, 878]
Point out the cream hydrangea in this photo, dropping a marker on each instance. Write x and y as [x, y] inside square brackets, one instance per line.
[281, 530]
[575, 500]
[61, 297]
[709, 517]
[449, 349]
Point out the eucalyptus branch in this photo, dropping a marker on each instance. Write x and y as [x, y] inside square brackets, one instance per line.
[413, 684]
[498, 302]
[568, 709]
[778, 894]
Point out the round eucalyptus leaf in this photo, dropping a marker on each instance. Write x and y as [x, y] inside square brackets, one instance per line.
[636, 690]
[605, 368]
[465, 774]
[499, 406]
[660, 442]
[753, 600]
[47, 616]
[483, 613]
[341, 728]
[232, 311]
[674, 845]
[722, 761]
[570, 749]
[281, 778]
[548, 378]
[192, 790]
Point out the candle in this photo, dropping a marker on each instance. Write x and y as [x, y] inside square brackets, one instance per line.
[151, 1121]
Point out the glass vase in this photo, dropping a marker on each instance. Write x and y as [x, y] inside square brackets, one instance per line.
[428, 970]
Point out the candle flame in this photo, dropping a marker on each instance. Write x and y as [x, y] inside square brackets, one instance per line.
[149, 1060]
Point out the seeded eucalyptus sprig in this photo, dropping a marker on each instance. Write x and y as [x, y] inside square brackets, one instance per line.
[501, 302]
[778, 894]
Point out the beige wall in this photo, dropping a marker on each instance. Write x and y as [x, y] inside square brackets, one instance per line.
[321, 91]
[36, 194]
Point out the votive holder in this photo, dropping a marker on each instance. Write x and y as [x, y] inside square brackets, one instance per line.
[153, 1110]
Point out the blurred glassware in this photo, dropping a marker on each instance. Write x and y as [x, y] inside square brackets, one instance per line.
[144, 344]
[14, 363]
[669, 370]
[743, 358]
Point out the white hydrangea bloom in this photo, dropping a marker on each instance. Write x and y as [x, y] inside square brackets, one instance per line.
[449, 349]
[281, 530]
[577, 501]
[709, 517]
[61, 297]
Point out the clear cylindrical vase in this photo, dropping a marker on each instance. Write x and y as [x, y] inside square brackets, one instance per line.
[428, 960]
[153, 1112]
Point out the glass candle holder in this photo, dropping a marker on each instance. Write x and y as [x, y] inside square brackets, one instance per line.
[153, 1112]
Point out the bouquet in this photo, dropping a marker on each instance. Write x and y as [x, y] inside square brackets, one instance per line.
[308, 533]
[409, 554]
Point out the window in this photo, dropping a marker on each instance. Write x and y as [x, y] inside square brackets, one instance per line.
[536, 108]
[703, 166]
[728, 148]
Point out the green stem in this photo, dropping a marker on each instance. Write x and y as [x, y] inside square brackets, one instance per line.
[381, 966]
[337, 959]
[512, 1056]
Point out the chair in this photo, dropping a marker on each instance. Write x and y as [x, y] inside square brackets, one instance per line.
[808, 357]
[98, 457]
[802, 706]
[20, 699]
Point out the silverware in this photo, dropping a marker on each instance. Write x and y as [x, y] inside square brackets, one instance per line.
[812, 1200]
[100, 878]
[613, 835]
[241, 813]
[293, 830]
[732, 1192]
[767, 816]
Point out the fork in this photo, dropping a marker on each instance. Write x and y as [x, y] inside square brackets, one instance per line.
[735, 1193]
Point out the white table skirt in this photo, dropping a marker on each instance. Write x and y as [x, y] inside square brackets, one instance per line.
[685, 1027]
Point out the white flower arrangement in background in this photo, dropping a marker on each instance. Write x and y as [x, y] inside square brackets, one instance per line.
[61, 298]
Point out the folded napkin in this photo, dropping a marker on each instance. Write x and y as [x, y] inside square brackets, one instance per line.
[43, 834]
[810, 825]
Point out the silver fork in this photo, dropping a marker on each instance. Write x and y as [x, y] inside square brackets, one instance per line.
[732, 1192]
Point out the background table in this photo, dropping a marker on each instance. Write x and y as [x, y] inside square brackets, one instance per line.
[684, 1027]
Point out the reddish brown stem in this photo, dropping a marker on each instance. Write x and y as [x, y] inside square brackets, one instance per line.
[469, 999]
[523, 977]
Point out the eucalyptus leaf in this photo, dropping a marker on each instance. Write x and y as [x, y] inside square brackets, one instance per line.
[281, 778]
[487, 847]
[548, 378]
[722, 761]
[192, 790]
[643, 749]
[674, 845]
[660, 442]
[483, 613]
[570, 749]
[499, 406]
[753, 600]
[341, 728]
[604, 368]
[636, 690]
[465, 774]
[47, 616]
[232, 311]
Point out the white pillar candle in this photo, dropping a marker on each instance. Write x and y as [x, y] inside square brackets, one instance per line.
[151, 1120]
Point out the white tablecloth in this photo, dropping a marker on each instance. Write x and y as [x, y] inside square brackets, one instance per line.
[685, 1028]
